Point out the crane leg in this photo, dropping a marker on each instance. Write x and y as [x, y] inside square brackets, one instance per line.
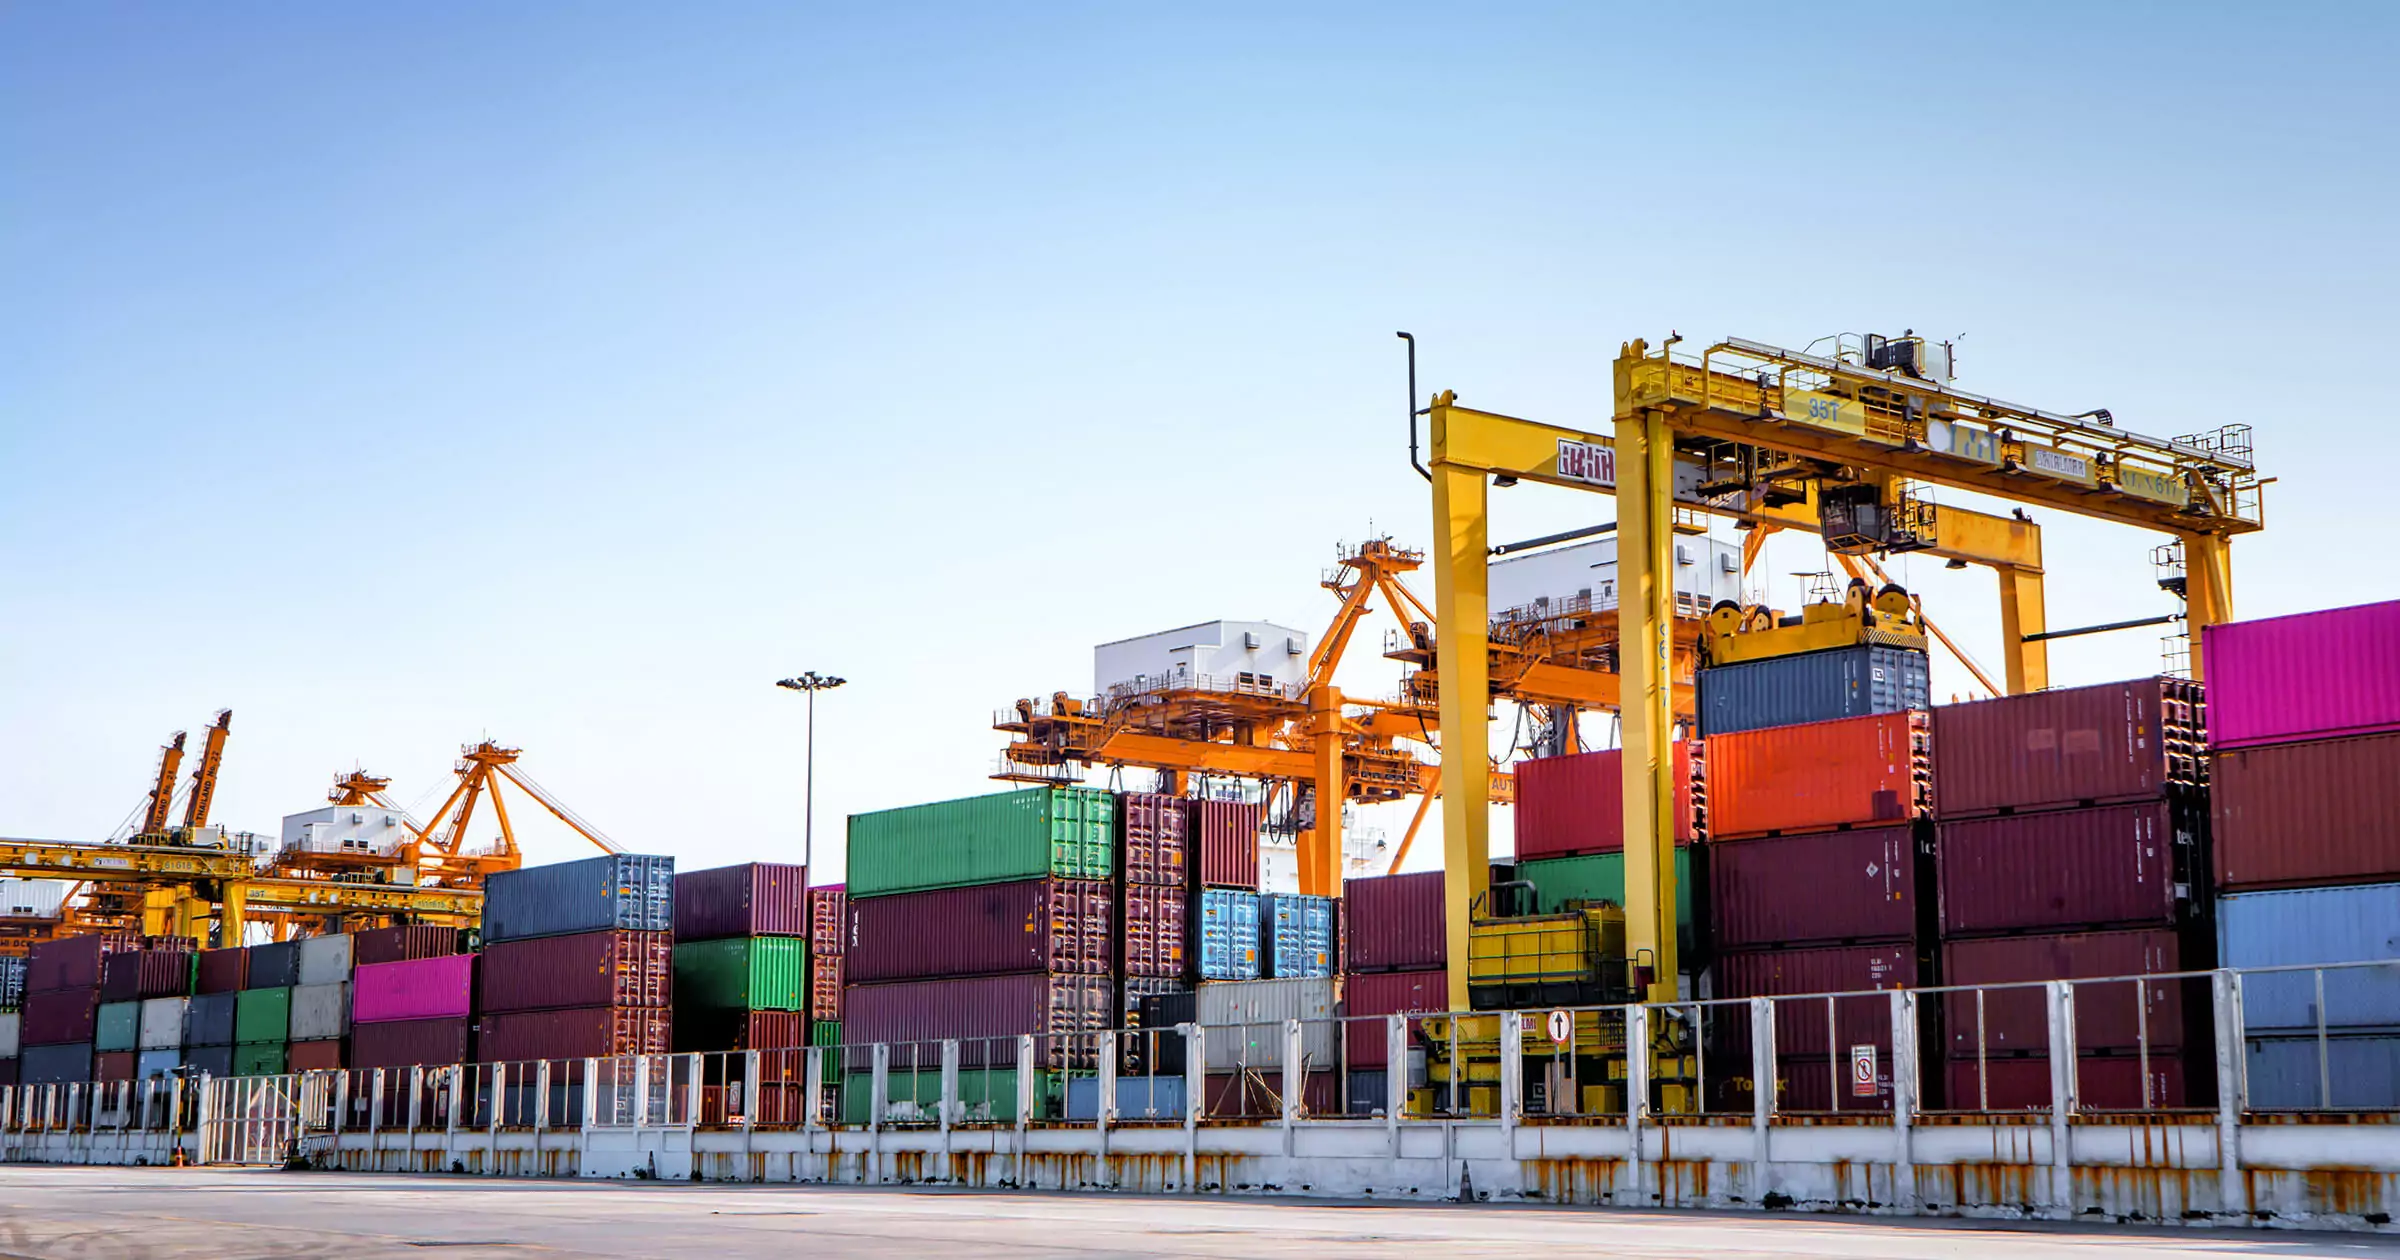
[2027, 665]
[1645, 648]
[2208, 589]
[1321, 848]
[1462, 605]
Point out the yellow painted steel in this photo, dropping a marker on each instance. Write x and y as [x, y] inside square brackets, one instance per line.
[2208, 588]
[1545, 948]
[117, 863]
[1645, 613]
[1462, 606]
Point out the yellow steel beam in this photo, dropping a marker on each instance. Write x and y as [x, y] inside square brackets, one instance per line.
[302, 895]
[2207, 589]
[1645, 657]
[117, 863]
[1248, 760]
[1462, 606]
[1321, 846]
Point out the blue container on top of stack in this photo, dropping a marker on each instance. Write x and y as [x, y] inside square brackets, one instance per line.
[1228, 934]
[628, 891]
[1809, 687]
[1297, 935]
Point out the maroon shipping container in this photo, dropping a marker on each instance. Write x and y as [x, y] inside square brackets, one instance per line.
[753, 899]
[313, 1056]
[1394, 923]
[403, 1042]
[1258, 1096]
[56, 1017]
[1067, 926]
[1576, 804]
[146, 973]
[828, 919]
[2102, 1083]
[73, 962]
[1157, 831]
[8, 1072]
[400, 944]
[707, 1031]
[228, 970]
[825, 976]
[986, 1014]
[2069, 868]
[618, 968]
[2125, 741]
[1386, 993]
[2107, 1016]
[1156, 931]
[1831, 886]
[1227, 843]
[1859, 1018]
[1815, 1083]
[585, 1032]
[114, 1065]
[2294, 815]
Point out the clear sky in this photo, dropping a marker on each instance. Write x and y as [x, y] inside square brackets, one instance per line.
[403, 374]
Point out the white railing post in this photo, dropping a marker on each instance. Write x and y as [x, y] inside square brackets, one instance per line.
[1195, 1099]
[1512, 1071]
[951, 1105]
[591, 1091]
[1024, 1090]
[1106, 1110]
[1295, 1079]
[812, 1089]
[2059, 998]
[1763, 1082]
[2225, 990]
[1904, 1096]
[881, 1082]
[754, 1092]
[541, 1101]
[1637, 1091]
[1395, 1075]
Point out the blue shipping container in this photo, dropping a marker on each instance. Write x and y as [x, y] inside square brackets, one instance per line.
[157, 1063]
[1298, 935]
[1812, 687]
[629, 891]
[2359, 923]
[1228, 934]
[208, 1021]
[209, 1060]
[55, 1065]
[2294, 1073]
[1138, 1097]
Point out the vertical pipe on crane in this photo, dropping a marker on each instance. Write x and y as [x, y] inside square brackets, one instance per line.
[1462, 606]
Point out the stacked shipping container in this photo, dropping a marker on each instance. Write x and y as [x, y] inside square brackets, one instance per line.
[741, 956]
[62, 1006]
[578, 959]
[1154, 907]
[1570, 841]
[1397, 949]
[828, 936]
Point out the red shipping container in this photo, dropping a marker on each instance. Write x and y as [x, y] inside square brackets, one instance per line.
[2107, 1016]
[1860, 1017]
[2124, 741]
[226, 970]
[1258, 1096]
[828, 919]
[2069, 868]
[986, 1014]
[711, 1031]
[825, 986]
[2102, 1083]
[2296, 815]
[1156, 839]
[146, 973]
[1394, 923]
[399, 944]
[2317, 675]
[1156, 931]
[114, 1065]
[1576, 804]
[313, 1056]
[402, 1043]
[57, 1017]
[1829, 886]
[1814, 1083]
[1065, 926]
[752, 899]
[73, 962]
[589, 1032]
[1227, 843]
[618, 968]
[1365, 1044]
[1816, 777]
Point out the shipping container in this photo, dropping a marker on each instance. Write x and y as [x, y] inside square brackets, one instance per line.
[158, 1062]
[1157, 831]
[825, 1032]
[258, 1059]
[1576, 804]
[612, 968]
[2114, 865]
[161, 1023]
[1811, 687]
[1143, 1099]
[1062, 925]
[1830, 886]
[1861, 1018]
[314, 1056]
[60, 1016]
[761, 973]
[262, 1015]
[325, 959]
[752, 899]
[915, 1097]
[1252, 1096]
[825, 981]
[421, 988]
[136, 974]
[2292, 815]
[55, 1065]
[1228, 934]
[221, 970]
[208, 1060]
[1224, 841]
[320, 1012]
[12, 981]
[578, 1033]
[1856, 772]
[2123, 741]
[11, 1033]
[1245, 1022]
[2305, 926]
[275, 966]
[1156, 931]
[1387, 993]
[2107, 1016]
[2102, 1083]
[1394, 923]
[402, 944]
[2315, 675]
[828, 918]
[111, 1066]
[986, 1014]
[715, 1030]
[73, 962]
[118, 1026]
[404, 1042]
[1570, 883]
[1296, 936]
[2306, 1073]
[209, 1019]
[1069, 833]
[632, 892]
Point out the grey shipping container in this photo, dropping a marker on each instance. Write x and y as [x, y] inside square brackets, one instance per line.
[1245, 1019]
[162, 1023]
[11, 1026]
[324, 960]
[55, 1065]
[1812, 687]
[320, 1012]
[275, 966]
[210, 1020]
[1138, 1098]
[2305, 926]
[2300, 1073]
[634, 891]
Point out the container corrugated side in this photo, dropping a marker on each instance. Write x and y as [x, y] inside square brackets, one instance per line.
[1825, 887]
[1061, 925]
[915, 1096]
[611, 968]
[1812, 687]
[221, 970]
[2303, 1074]
[1395, 922]
[162, 1022]
[73, 962]
[133, 975]
[1387, 993]
[2102, 1083]
[2290, 815]
[1156, 932]
[320, 1011]
[118, 1026]
[2107, 1016]
[208, 1021]
[12, 1033]
[2305, 926]
[1295, 936]
[1225, 843]
[752, 899]
[712, 1030]
[762, 973]
[1570, 883]
[326, 959]
[2122, 741]
[55, 1065]
[406, 1042]
[2315, 675]
[1227, 934]
[1863, 1017]
[1069, 833]
[272, 966]
[399, 944]
[262, 1015]
[1157, 832]
[417, 989]
[630, 891]
[985, 1014]
[1146, 1098]
[573, 1033]
[1576, 804]
[2116, 865]
[828, 919]
[1856, 772]
[1245, 1021]
[60, 1016]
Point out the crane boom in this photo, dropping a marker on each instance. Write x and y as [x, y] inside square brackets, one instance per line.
[204, 778]
[162, 793]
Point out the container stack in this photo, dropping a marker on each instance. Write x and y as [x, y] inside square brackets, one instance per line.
[578, 960]
[262, 1014]
[217, 980]
[1571, 836]
[1225, 926]
[2305, 747]
[411, 998]
[321, 1004]
[2068, 848]
[1394, 966]
[1154, 907]
[828, 939]
[12, 1015]
[62, 1006]
[742, 945]
[143, 996]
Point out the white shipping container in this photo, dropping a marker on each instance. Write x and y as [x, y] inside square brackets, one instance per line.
[1245, 1018]
[32, 898]
[320, 1012]
[162, 1023]
[9, 1027]
[325, 960]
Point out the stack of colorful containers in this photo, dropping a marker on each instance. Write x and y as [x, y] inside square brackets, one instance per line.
[2305, 728]
[1154, 908]
[1397, 950]
[143, 993]
[1225, 926]
[262, 1016]
[321, 1004]
[411, 998]
[218, 976]
[2068, 849]
[1570, 842]
[741, 957]
[828, 937]
[62, 1005]
[578, 960]
[12, 1014]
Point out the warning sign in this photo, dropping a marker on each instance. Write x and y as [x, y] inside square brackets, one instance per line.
[1562, 1028]
[1862, 1071]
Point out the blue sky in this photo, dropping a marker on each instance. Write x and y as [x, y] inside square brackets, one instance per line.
[403, 375]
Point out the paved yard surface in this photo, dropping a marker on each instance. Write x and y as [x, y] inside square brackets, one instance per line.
[129, 1214]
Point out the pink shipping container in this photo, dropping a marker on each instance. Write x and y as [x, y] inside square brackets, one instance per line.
[2070, 868]
[1156, 931]
[1851, 772]
[825, 986]
[421, 988]
[226, 970]
[582, 1032]
[620, 968]
[2125, 741]
[58, 1016]
[2107, 1016]
[2102, 1083]
[986, 1014]
[1861, 1019]
[1571, 805]
[1394, 923]
[402, 944]
[1227, 843]
[1157, 831]
[2295, 815]
[73, 962]
[1829, 886]
[2316, 675]
[402, 1043]
[1066, 926]
[828, 919]
[752, 899]
[1386, 993]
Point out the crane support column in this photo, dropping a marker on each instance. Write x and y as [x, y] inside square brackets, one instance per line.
[1461, 653]
[2021, 614]
[1645, 612]
[1321, 847]
[230, 909]
[2207, 590]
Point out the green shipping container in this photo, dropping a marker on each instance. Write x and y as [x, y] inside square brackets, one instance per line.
[1070, 833]
[825, 1032]
[261, 1016]
[259, 1060]
[743, 973]
[1601, 877]
[119, 1026]
[989, 1096]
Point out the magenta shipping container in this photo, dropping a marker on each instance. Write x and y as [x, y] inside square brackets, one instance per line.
[2316, 675]
[2107, 1016]
[1831, 886]
[59, 1016]
[1576, 804]
[753, 899]
[2124, 741]
[986, 1014]
[73, 962]
[1156, 931]
[224, 970]
[402, 1043]
[1387, 993]
[1395, 923]
[1066, 926]
[828, 919]
[1157, 833]
[421, 988]
[2294, 815]
[402, 944]
[1860, 1019]
[584, 1032]
[1227, 844]
[2114, 865]
[618, 968]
